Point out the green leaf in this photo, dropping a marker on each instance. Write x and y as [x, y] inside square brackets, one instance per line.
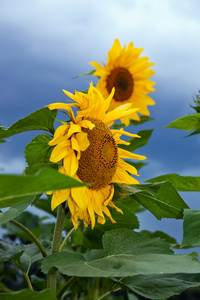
[9, 251]
[37, 154]
[161, 235]
[15, 210]
[160, 286]
[14, 188]
[42, 119]
[181, 183]
[125, 241]
[186, 123]
[161, 199]
[191, 228]
[85, 74]
[30, 295]
[138, 142]
[1, 140]
[126, 254]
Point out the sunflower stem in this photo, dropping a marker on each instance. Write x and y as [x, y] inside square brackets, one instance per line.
[33, 237]
[65, 286]
[52, 276]
[96, 288]
[108, 293]
[66, 239]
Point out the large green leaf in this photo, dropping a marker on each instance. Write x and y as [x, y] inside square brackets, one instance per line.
[181, 183]
[128, 254]
[161, 199]
[30, 295]
[15, 188]
[138, 142]
[186, 123]
[42, 119]
[37, 154]
[15, 210]
[191, 228]
[160, 286]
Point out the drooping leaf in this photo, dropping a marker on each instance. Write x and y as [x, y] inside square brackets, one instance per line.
[181, 183]
[123, 257]
[15, 188]
[191, 228]
[1, 140]
[28, 294]
[186, 123]
[42, 119]
[160, 286]
[161, 199]
[15, 210]
[37, 154]
[138, 142]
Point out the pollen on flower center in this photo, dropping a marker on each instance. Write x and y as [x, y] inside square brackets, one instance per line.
[122, 80]
[98, 162]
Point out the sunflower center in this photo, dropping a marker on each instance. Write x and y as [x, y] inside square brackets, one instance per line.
[98, 162]
[122, 80]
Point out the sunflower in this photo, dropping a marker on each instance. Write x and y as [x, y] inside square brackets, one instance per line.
[88, 151]
[129, 74]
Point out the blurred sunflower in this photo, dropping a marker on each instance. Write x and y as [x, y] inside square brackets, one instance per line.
[129, 74]
[88, 150]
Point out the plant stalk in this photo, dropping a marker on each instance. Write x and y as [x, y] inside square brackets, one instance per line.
[52, 277]
[33, 237]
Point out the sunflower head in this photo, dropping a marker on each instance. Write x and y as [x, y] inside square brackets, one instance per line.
[88, 151]
[129, 74]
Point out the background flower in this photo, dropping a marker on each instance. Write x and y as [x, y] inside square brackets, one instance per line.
[129, 74]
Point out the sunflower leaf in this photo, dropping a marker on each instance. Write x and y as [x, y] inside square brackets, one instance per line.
[160, 286]
[16, 188]
[161, 199]
[42, 119]
[37, 154]
[28, 294]
[126, 253]
[15, 210]
[191, 228]
[181, 183]
[186, 123]
[138, 142]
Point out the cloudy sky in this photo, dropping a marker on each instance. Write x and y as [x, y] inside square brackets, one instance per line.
[45, 43]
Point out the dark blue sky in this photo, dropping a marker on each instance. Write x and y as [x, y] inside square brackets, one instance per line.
[44, 44]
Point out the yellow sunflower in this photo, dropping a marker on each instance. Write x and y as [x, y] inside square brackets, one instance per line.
[129, 74]
[88, 150]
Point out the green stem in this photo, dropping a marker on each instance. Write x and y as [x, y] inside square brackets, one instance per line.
[34, 238]
[52, 277]
[66, 239]
[65, 286]
[108, 293]
[25, 275]
[96, 288]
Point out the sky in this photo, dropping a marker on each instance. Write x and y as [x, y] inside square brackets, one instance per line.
[45, 43]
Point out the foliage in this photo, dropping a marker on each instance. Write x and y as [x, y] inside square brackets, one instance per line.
[112, 261]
